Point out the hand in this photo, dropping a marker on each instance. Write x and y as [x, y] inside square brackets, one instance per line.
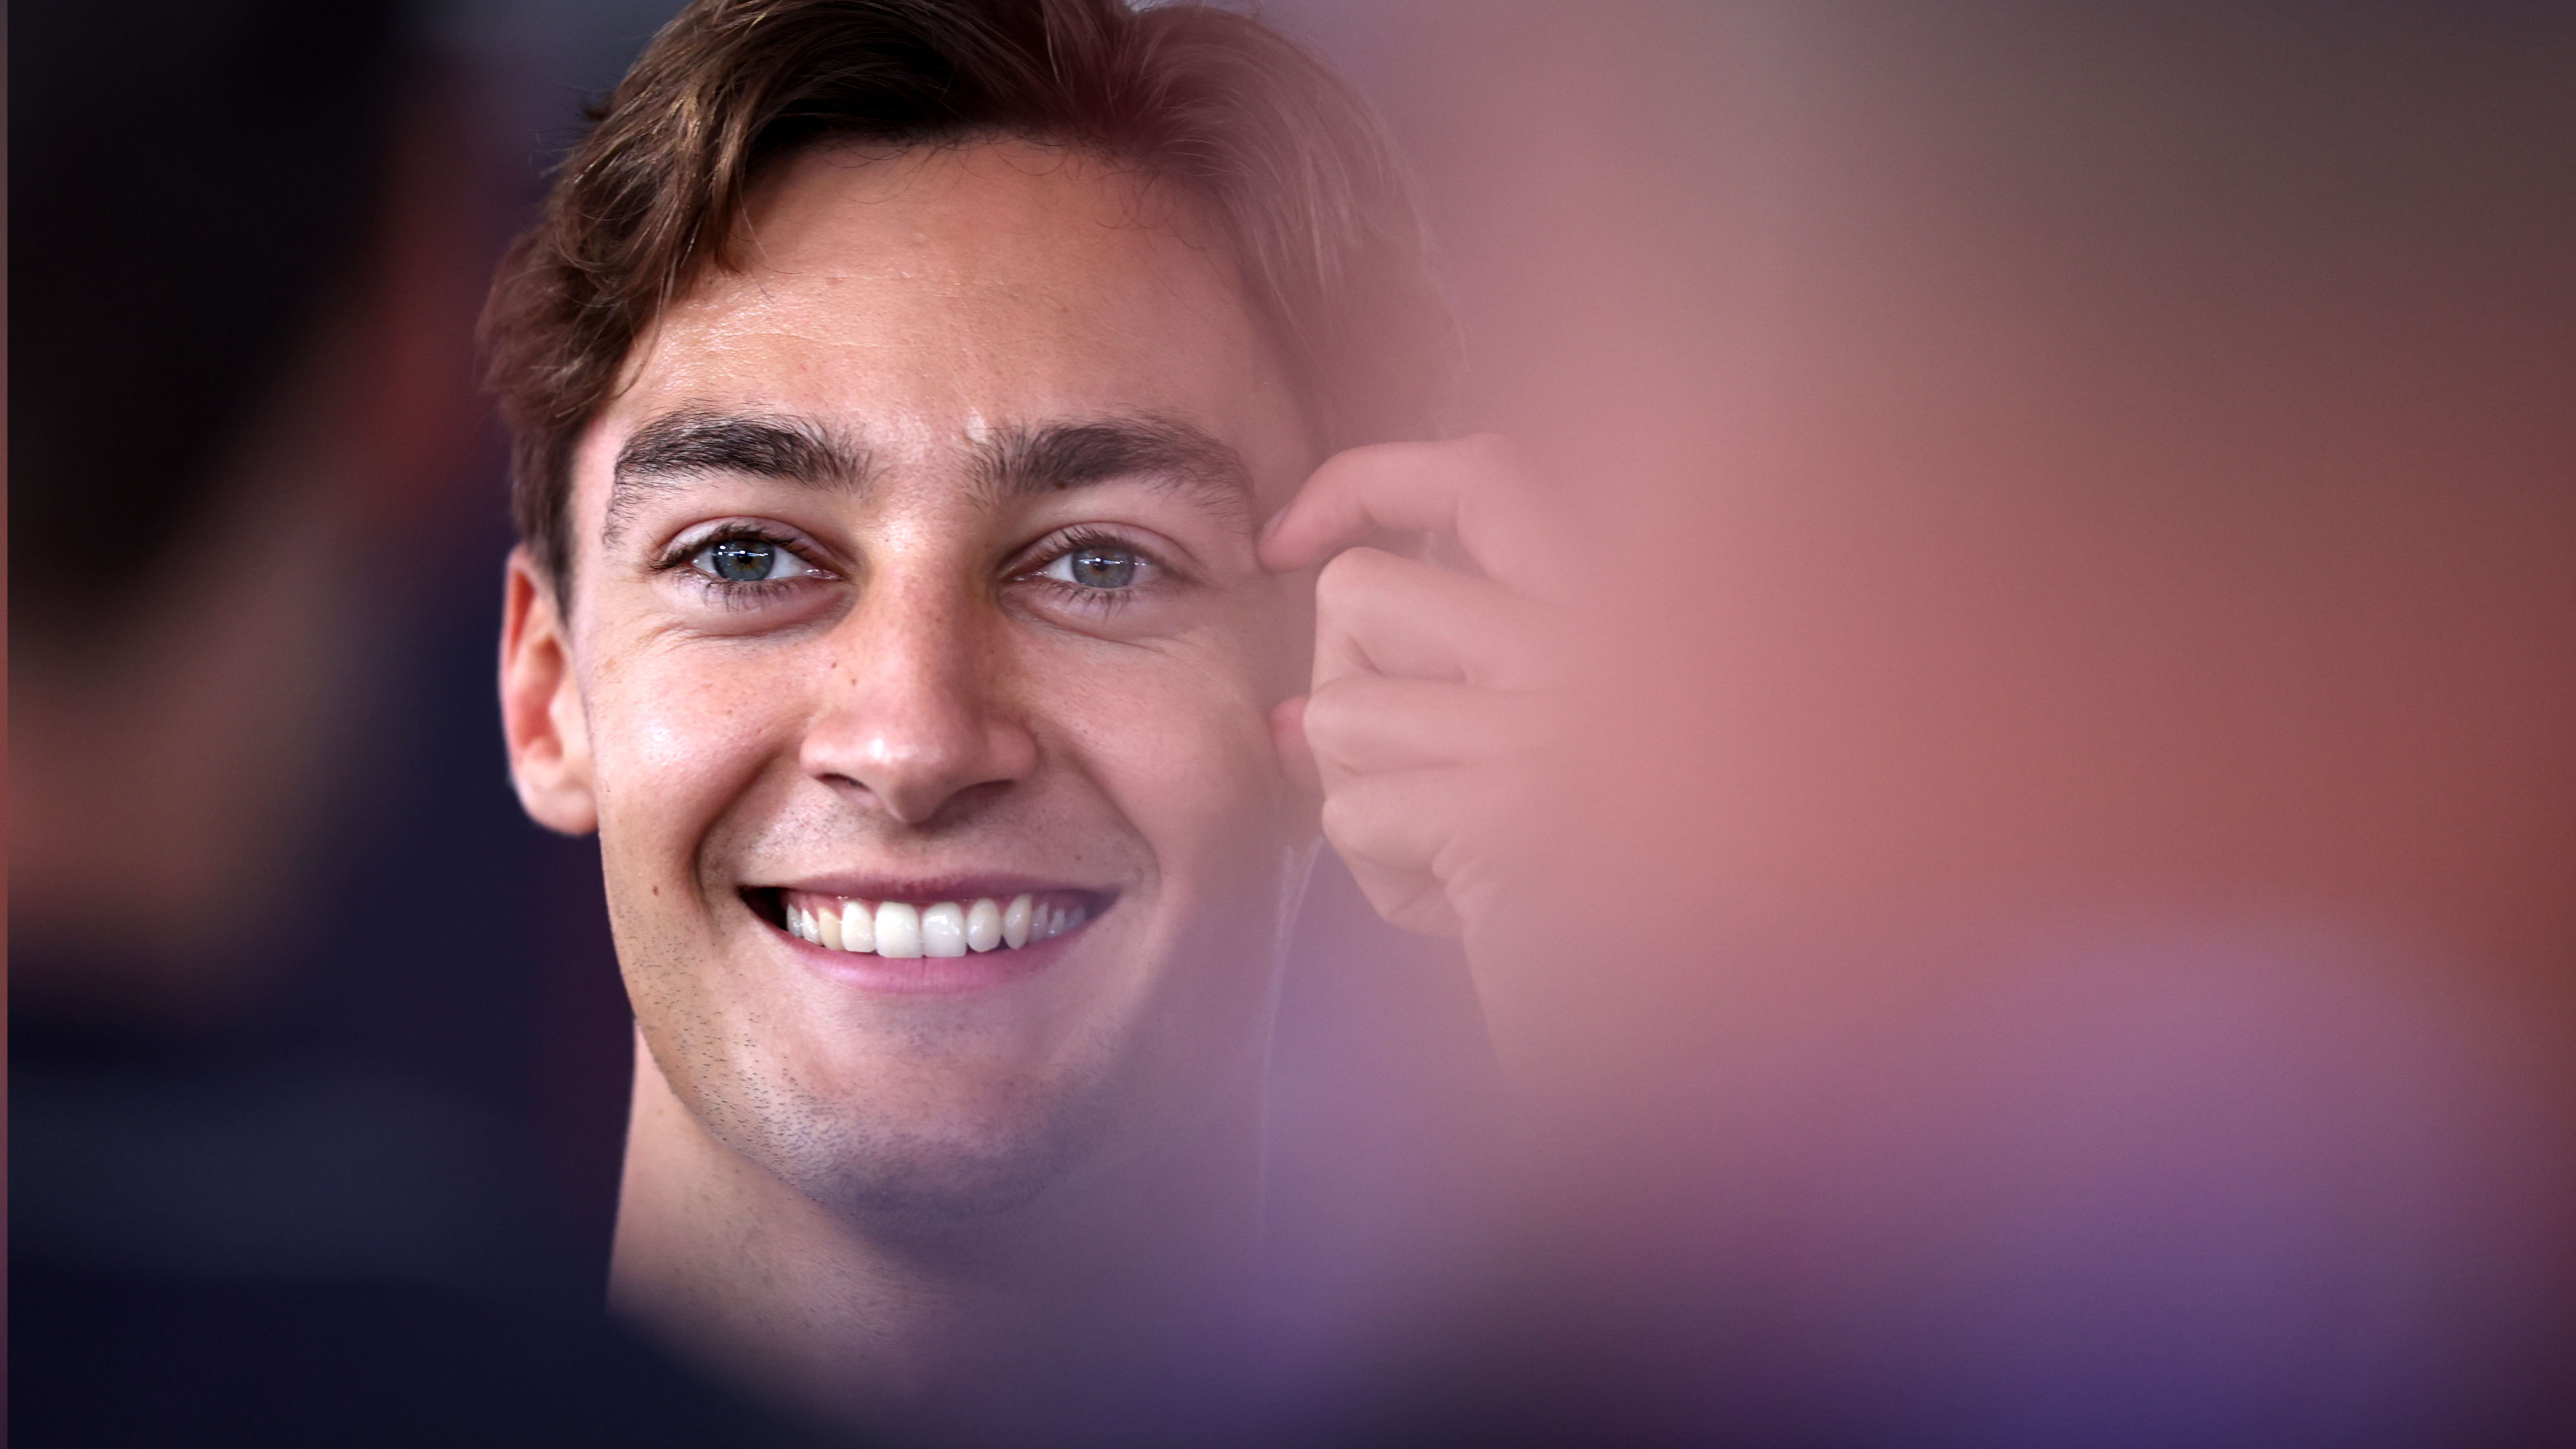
[1435, 692]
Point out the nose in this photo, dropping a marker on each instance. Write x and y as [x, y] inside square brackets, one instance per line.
[915, 714]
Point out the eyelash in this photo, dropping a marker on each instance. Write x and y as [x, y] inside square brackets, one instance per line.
[739, 594]
[1103, 602]
[735, 593]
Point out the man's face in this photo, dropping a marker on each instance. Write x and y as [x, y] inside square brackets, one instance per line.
[914, 569]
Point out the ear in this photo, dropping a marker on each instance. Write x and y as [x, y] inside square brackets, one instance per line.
[541, 713]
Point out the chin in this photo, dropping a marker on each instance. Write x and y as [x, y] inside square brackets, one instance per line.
[928, 1180]
[914, 1148]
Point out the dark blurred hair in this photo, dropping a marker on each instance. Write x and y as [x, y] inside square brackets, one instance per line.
[190, 181]
[1290, 162]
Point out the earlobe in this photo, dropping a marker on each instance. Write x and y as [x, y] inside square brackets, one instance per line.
[541, 709]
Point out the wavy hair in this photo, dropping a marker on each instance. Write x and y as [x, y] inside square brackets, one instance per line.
[1289, 161]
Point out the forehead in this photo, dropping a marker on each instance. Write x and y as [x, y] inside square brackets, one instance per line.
[922, 300]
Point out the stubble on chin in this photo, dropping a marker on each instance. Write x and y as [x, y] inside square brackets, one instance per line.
[914, 1150]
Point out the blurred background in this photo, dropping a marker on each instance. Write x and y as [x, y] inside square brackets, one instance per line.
[2080, 504]
[317, 1049]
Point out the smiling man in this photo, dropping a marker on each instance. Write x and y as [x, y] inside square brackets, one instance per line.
[899, 394]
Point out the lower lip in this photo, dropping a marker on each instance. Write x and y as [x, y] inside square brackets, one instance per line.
[931, 975]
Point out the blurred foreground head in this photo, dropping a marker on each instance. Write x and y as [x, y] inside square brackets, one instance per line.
[239, 363]
[170, 282]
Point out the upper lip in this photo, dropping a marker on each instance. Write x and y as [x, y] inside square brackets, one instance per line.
[959, 887]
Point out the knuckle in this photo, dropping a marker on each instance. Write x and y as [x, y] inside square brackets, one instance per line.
[1327, 722]
[1347, 574]
[1350, 695]
[1333, 703]
[1336, 472]
[1334, 578]
[1346, 822]
[1349, 466]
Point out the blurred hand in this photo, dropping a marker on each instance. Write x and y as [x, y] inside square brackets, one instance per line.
[1436, 693]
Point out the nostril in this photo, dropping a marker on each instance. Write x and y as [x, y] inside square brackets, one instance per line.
[915, 775]
[924, 804]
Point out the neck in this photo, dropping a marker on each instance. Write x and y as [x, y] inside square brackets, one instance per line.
[1093, 1299]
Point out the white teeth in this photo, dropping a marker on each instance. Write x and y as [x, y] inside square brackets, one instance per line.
[903, 930]
[943, 930]
[983, 926]
[898, 930]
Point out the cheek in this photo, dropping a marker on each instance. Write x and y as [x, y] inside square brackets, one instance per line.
[690, 733]
[1180, 740]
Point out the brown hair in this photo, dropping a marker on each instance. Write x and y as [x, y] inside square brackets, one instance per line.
[1288, 160]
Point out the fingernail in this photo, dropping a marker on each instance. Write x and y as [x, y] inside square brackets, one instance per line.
[1269, 527]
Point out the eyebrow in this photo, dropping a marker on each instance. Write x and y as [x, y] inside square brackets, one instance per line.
[1013, 462]
[691, 443]
[1023, 462]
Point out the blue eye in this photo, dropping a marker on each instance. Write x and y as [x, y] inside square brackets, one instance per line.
[1097, 566]
[748, 561]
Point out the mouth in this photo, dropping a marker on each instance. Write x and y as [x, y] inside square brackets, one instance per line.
[900, 929]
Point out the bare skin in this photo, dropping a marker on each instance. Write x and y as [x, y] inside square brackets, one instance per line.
[880, 1189]
[1439, 697]
[862, 1193]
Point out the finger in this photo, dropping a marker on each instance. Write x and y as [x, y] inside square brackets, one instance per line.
[1408, 901]
[1377, 613]
[1475, 489]
[1391, 831]
[1367, 724]
[1396, 822]
[1296, 757]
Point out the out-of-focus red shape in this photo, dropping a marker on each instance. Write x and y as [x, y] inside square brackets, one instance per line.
[2080, 506]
